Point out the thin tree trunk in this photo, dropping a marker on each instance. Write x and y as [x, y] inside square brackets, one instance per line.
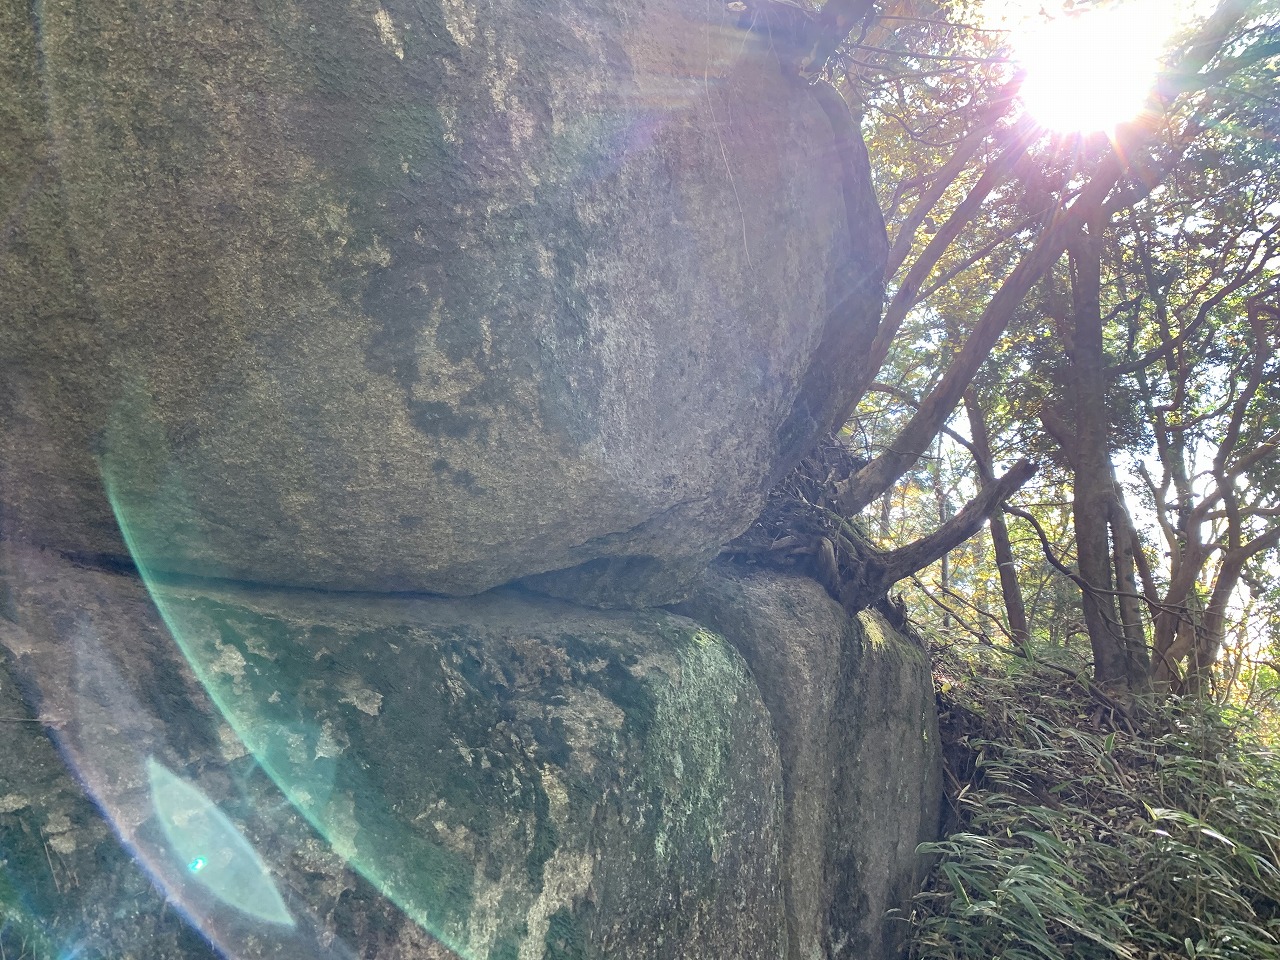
[1010, 588]
[1137, 660]
[1213, 627]
[1091, 506]
[914, 438]
[886, 506]
[1173, 628]
[940, 499]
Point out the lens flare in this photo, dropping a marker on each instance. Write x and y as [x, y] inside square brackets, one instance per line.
[423, 878]
[1092, 70]
[215, 852]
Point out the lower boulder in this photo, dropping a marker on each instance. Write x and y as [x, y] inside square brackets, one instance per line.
[518, 777]
[505, 777]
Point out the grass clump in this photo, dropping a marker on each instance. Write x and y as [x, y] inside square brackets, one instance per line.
[1077, 832]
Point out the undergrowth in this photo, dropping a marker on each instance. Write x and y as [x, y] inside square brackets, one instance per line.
[1072, 837]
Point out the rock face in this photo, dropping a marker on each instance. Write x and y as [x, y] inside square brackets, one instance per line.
[516, 776]
[432, 296]
[416, 296]
[503, 777]
[852, 706]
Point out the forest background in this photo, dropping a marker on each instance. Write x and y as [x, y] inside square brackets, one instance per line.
[1078, 361]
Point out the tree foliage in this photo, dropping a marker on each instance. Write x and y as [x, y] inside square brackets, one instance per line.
[1106, 305]
[1109, 308]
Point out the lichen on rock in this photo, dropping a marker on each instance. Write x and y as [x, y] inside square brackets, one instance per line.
[536, 774]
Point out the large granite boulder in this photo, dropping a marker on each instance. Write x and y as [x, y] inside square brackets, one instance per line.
[416, 295]
[503, 778]
[853, 710]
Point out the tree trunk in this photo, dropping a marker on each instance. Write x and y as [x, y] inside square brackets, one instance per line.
[940, 498]
[1091, 506]
[931, 415]
[1174, 629]
[1129, 601]
[1211, 636]
[1010, 589]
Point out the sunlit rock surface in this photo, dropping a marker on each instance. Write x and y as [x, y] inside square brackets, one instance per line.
[508, 776]
[853, 709]
[426, 296]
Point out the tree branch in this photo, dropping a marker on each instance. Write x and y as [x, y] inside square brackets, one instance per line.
[898, 393]
[960, 157]
[901, 563]
[877, 476]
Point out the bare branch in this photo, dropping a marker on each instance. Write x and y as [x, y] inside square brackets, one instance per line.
[898, 564]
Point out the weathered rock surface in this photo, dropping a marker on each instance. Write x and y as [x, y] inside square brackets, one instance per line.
[517, 776]
[520, 777]
[401, 295]
[63, 871]
[853, 710]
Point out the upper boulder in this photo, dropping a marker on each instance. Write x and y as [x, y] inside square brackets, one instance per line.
[417, 296]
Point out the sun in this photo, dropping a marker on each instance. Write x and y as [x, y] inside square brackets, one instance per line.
[1091, 69]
